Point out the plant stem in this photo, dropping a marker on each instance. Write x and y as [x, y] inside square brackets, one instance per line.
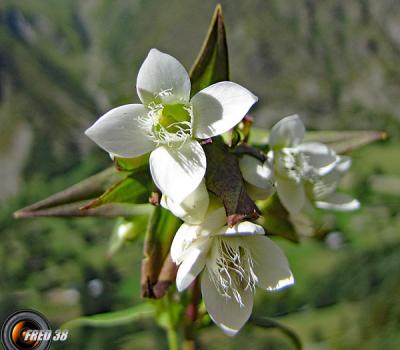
[171, 325]
[172, 339]
[191, 317]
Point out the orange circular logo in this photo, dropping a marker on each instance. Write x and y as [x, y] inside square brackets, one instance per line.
[25, 330]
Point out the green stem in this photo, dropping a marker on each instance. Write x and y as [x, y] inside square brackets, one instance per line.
[172, 332]
[172, 339]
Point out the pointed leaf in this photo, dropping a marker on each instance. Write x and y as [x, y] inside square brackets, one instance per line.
[135, 189]
[340, 141]
[347, 141]
[111, 210]
[211, 65]
[223, 178]
[87, 189]
[113, 319]
[160, 232]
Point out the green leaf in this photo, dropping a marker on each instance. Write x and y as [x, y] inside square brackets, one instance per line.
[345, 141]
[131, 164]
[135, 189]
[340, 141]
[224, 179]
[115, 318]
[69, 201]
[160, 232]
[211, 65]
[111, 210]
[275, 219]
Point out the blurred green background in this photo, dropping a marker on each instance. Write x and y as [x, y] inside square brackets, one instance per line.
[64, 63]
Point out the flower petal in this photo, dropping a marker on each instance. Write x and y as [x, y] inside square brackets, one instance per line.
[118, 132]
[243, 228]
[193, 208]
[322, 158]
[291, 194]
[226, 312]
[339, 201]
[256, 193]
[288, 132]
[343, 164]
[193, 263]
[256, 172]
[178, 171]
[183, 238]
[162, 78]
[219, 107]
[270, 264]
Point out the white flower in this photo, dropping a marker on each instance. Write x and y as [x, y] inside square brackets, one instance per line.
[323, 190]
[258, 177]
[299, 167]
[233, 260]
[169, 121]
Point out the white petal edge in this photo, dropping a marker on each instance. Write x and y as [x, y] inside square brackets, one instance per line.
[118, 132]
[178, 171]
[339, 202]
[256, 172]
[322, 158]
[219, 107]
[162, 76]
[343, 165]
[193, 263]
[291, 194]
[243, 228]
[226, 312]
[193, 208]
[183, 238]
[288, 132]
[270, 264]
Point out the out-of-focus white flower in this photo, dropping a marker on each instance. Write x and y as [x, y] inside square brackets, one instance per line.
[169, 121]
[234, 261]
[323, 190]
[305, 171]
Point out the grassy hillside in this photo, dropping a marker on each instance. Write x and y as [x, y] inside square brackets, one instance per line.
[63, 63]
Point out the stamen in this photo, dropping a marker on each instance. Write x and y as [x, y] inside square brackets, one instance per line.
[175, 133]
[294, 165]
[233, 269]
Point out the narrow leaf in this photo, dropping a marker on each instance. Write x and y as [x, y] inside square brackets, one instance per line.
[160, 232]
[340, 141]
[135, 189]
[355, 139]
[113, 319]
[211, 65]
[111, 210]
[87, 189]
[166, 277]
[223, 178]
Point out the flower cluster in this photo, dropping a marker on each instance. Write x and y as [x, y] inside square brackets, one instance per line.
[170, 124]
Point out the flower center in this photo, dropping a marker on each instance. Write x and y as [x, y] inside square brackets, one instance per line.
[168, 124]
[232, 268]
[292, 165]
